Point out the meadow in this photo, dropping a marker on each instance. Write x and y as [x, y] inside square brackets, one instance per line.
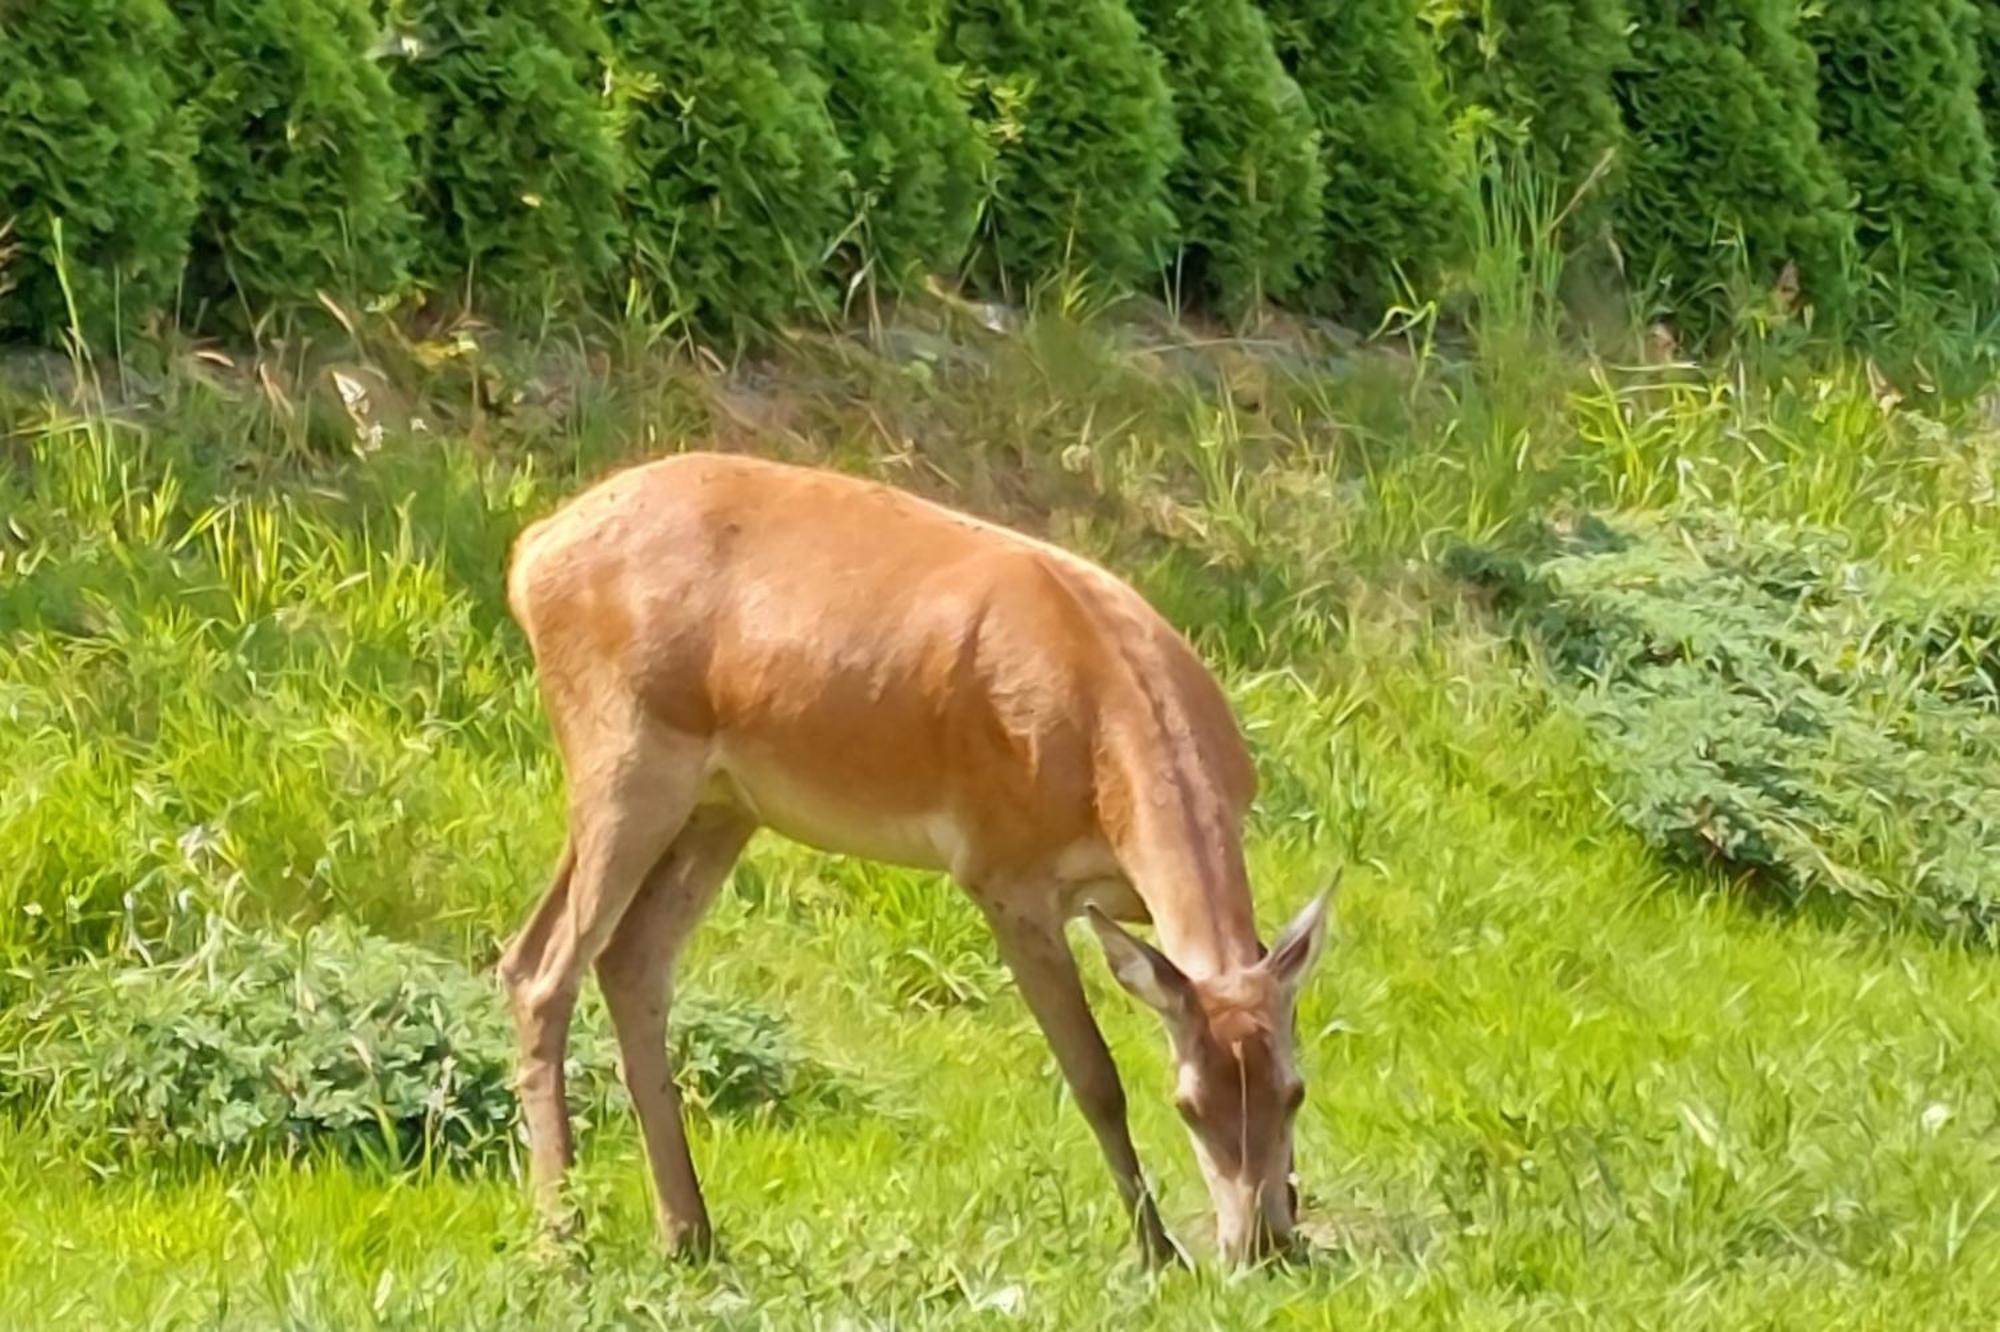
[255, 673]
[1565, 426]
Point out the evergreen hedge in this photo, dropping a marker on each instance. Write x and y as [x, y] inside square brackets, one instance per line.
[304, 172]
[1076, 104]
[89, 136]
[917, 160]
[1728, 182]
[735, 184]
[518, 169]
[1538, 73]
[1899, 112]
[1395, 193]
[1988, 50]
[252, 153]
[1250, 187]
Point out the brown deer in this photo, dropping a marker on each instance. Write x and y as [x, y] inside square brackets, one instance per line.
[725, 644]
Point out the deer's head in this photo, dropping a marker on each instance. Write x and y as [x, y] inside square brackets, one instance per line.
[1237, 1083]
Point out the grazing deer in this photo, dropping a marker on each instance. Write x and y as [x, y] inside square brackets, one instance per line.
[725, 643]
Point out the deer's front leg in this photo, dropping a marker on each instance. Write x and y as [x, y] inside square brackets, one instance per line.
[1039, 958]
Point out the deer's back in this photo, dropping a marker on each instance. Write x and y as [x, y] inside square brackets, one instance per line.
[874, 673]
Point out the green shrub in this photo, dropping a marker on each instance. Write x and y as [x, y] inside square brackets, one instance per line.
[1396, 196]
[917, 159]
[1076, 104]
[1249, 188]
[1987, 48]
[1899, 112]
[303, 166]
[735, 181]
[1728, 182]
[1538, 73]
[89, 138]
[516, 149]
[340, 1040]
[1764, 704]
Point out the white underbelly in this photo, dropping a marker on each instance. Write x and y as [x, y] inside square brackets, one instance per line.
[829, 821]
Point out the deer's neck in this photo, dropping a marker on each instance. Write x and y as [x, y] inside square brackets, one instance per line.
[1180, 843]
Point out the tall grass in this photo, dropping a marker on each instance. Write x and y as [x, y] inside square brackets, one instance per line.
[256, 670]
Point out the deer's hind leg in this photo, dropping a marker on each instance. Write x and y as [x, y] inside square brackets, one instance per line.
[632, 787]
[636, 973]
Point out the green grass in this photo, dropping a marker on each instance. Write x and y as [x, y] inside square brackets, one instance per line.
[249, 668]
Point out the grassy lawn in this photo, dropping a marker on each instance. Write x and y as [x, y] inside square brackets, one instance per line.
[248, 674]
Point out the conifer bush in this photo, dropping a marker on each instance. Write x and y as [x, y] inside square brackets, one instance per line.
[736, 182]
[1250, 186]
[1538, 73]
[1395, 193]
[1729, 186]
[270, 1044]
[515, 145]
[90, 139]
[1987, 47]
[304, 171]
[1899, 112]
[1077, 106]
[1765, 700]
[917, 159]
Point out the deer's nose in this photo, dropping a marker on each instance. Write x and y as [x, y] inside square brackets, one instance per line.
[1248, 1235]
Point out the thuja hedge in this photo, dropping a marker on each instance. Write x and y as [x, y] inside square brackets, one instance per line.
[91, 142]
[1988, 49]
[517, 162]
[1076, 103]
[1250, 187]
[1538, 73]
[1396, 203]
[735, 180]
[304, 172]
[1728, 183]
[916, 159]
[1899, 112]
[743, 156]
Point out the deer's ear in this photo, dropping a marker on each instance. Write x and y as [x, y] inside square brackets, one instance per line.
[1292, 956]
[1143, 970]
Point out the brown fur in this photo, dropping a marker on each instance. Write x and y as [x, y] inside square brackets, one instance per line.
[725, 643]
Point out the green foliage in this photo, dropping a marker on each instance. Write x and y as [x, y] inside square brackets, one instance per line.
[1899, 111]
[1986, 50]
[1538, 73]
[90, 141]
[735, 172]
[1396, 196]
[917, 159]
[1077, 106]
[517, 167]
[1728, 182]
[1763, 703]
[304, 171]
[201, 670]
[1250, 187]
[737, 1058]
[263, 1043]
[340, 1040]
[1547, 1071]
